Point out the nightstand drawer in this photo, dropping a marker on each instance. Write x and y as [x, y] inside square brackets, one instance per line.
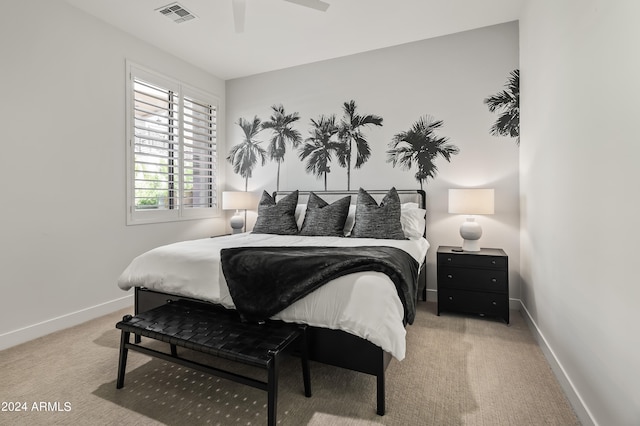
[473, 279]
[448, 259]
[493, 304]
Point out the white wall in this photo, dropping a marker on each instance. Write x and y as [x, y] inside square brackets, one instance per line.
[579, 184]
[63, 232]
[447, 77]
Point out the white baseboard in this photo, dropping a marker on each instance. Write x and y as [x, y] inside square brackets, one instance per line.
[581, 410]
[43, 328]
[432, 295]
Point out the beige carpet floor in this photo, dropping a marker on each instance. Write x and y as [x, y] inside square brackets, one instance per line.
[458, 371]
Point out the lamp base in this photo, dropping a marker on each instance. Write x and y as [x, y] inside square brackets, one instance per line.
[237, 223]
[470, 231]
[471, 245]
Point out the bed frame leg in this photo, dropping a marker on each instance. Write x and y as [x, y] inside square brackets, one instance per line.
[306, 376]
[380, 391]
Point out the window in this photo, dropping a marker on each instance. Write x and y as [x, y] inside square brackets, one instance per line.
[171, 150]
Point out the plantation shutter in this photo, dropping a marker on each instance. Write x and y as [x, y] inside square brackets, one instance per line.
[199, 153]
[156, 146]
[172, 156]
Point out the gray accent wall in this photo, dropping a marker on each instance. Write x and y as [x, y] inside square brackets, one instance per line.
[446, 77]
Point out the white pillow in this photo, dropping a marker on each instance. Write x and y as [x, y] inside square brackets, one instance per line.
[407, 206]
[351, 220]
[301, 211]
[412, 219]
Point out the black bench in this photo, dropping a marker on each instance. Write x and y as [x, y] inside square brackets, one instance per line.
[218, 332]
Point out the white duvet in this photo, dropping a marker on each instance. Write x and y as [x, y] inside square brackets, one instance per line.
[365, 304]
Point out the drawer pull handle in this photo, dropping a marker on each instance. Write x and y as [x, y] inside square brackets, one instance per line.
[448, 259]
[449, 276]
[493, 280]
[450, 297]
[493, 262]
[494, 303]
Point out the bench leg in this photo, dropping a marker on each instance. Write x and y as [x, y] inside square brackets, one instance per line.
[272, 390]
[174, 350]
[122, 361]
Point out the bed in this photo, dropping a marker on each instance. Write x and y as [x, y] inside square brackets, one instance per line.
[356, 321]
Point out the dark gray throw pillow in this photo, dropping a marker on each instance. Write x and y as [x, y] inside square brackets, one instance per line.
[277, 218]
[378, 221]
[323, 219]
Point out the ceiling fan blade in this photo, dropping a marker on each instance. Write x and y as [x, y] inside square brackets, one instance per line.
[313, 4]
[239, 8]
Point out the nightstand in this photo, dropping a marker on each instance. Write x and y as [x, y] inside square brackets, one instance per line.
[473, 282]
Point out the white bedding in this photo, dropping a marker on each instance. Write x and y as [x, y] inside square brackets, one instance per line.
[365, 304]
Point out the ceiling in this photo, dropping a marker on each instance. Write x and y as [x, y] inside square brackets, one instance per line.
[279, 34]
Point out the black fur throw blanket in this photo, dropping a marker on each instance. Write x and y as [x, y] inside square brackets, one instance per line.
[264, 280]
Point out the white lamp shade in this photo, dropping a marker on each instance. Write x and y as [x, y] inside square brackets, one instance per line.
[237, 200]
[471, 201]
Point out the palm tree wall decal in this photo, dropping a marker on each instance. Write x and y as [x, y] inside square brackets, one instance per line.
[507, 101]
[318, 148]
[245, 155]
[280, 124]
[349, 132]
[419, 147]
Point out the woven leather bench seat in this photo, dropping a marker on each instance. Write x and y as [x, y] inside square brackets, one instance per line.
[217, 332]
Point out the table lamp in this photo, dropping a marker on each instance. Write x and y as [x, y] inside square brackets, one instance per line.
[471, 202]
[237, 200]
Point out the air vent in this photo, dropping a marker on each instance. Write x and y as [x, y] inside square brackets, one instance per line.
[176, 13]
